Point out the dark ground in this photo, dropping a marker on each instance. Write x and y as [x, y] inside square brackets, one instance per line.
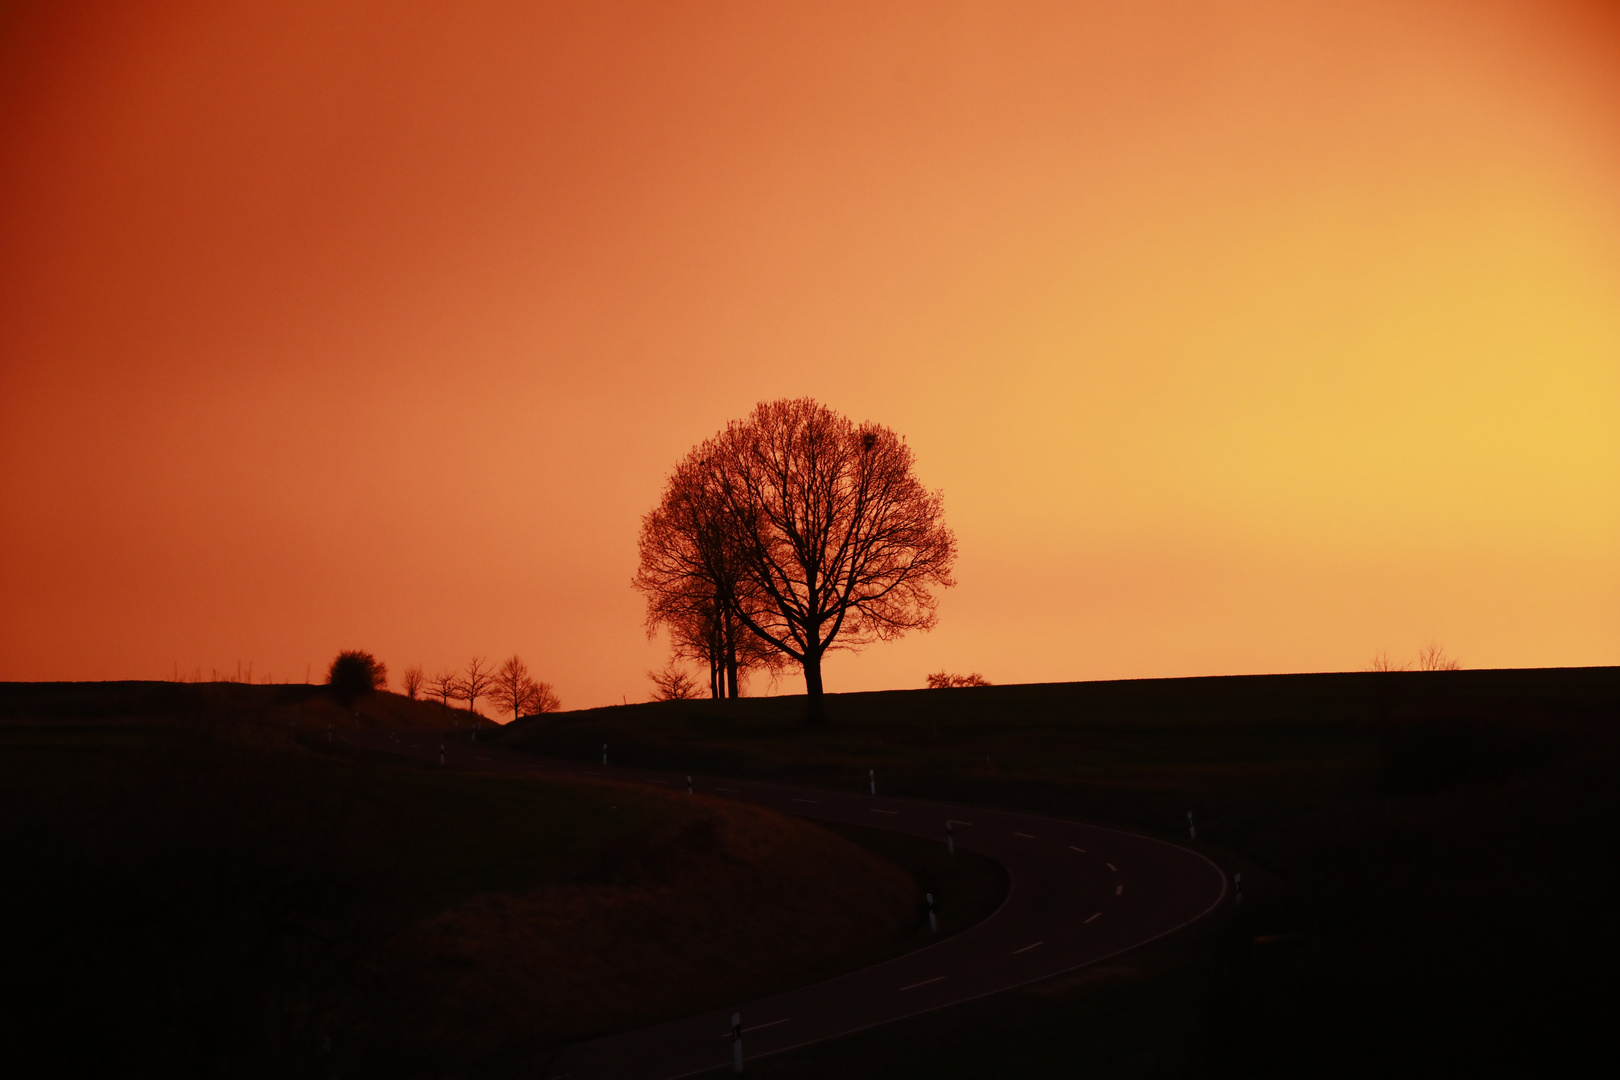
[1429, 861]
[186, 890]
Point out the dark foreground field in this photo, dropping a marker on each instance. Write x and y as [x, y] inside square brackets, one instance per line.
[191, 886]
[1429, 861]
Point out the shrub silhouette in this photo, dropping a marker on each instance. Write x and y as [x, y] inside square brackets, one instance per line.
[355, 672]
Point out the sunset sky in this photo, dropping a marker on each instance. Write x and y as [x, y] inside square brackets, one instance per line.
[1241, 337]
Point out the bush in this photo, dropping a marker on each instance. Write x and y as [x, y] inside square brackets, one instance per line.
[944, 680]
[354, 673]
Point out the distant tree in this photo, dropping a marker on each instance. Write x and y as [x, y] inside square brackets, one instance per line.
[444, 686]
[543, 700]
[519, 694]
[1432, 657]
[943, 680]
[673, 684]
[840, 544]
[413, 681]
[355, 672]
[1382, 661]
[478, 681]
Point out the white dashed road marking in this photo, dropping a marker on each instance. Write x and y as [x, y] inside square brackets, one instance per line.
[925, 982]
[1081, 850]
[1118, 889]
[1026, 948]
[1025, 835]
[1094, 916]
[1112, 867]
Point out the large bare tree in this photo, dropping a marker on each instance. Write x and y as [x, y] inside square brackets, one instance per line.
[834, 541]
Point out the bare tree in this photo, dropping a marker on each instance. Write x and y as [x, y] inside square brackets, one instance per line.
[445, 686]
[673, 684]
[542, 699]
[478, 682]
[835, 542]
[511, 687]
[413, 681]
[1382, 661]
[1432, 657]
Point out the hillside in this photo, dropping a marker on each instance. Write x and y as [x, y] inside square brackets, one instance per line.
[1428, 858]
[201, 894]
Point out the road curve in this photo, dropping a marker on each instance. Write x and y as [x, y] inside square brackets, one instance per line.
[1078, 894]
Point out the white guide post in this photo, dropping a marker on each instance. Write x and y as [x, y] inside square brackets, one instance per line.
[736, 1043]
[871, 775]
[950, 839]
[1192, 830]
[933, 926]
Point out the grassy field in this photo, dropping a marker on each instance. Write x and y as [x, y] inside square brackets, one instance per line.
[190, 891]
[1429, 860]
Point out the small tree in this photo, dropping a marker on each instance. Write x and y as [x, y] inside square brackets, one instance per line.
[520, 695]
[1432, 657]
[543, 699]
[1382, 661]
[673, 684]
[413, 681]
[479, 681]
[355, 672]
[445, 686]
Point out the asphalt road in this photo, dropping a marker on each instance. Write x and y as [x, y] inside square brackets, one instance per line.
[1078, 895]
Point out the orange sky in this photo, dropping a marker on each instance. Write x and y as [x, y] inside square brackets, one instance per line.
[1241, 337]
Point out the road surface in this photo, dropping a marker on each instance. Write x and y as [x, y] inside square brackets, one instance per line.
[1077, 894]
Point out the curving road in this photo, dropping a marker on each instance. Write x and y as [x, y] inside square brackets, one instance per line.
[1078, 894]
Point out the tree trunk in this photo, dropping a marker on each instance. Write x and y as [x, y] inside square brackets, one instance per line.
[732, 690]
[815, 708]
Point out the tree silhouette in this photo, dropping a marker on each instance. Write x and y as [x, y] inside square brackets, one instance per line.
[673, 684]
[831, 540]
[355, 672]
[478, 681]
[413, 681]
[521, 695]
[445, 686]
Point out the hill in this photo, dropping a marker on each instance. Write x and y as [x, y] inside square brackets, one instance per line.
[1429, 868]
[193, 889]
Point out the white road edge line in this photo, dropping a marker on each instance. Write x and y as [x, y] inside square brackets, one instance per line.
[1112, 867]
[925, 982]
[1118, 889]
[1094, 916]
[891, 813]
[1025, 835]
[1081, 850]
[1026, 948]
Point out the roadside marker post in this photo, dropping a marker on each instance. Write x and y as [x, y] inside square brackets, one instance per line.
[736, 1043]
[871, 776]
[441, 753]
[1192, 830]
[689, 785]
[604, 753]
[950, 840]
[1237, 888]
[933, 927]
